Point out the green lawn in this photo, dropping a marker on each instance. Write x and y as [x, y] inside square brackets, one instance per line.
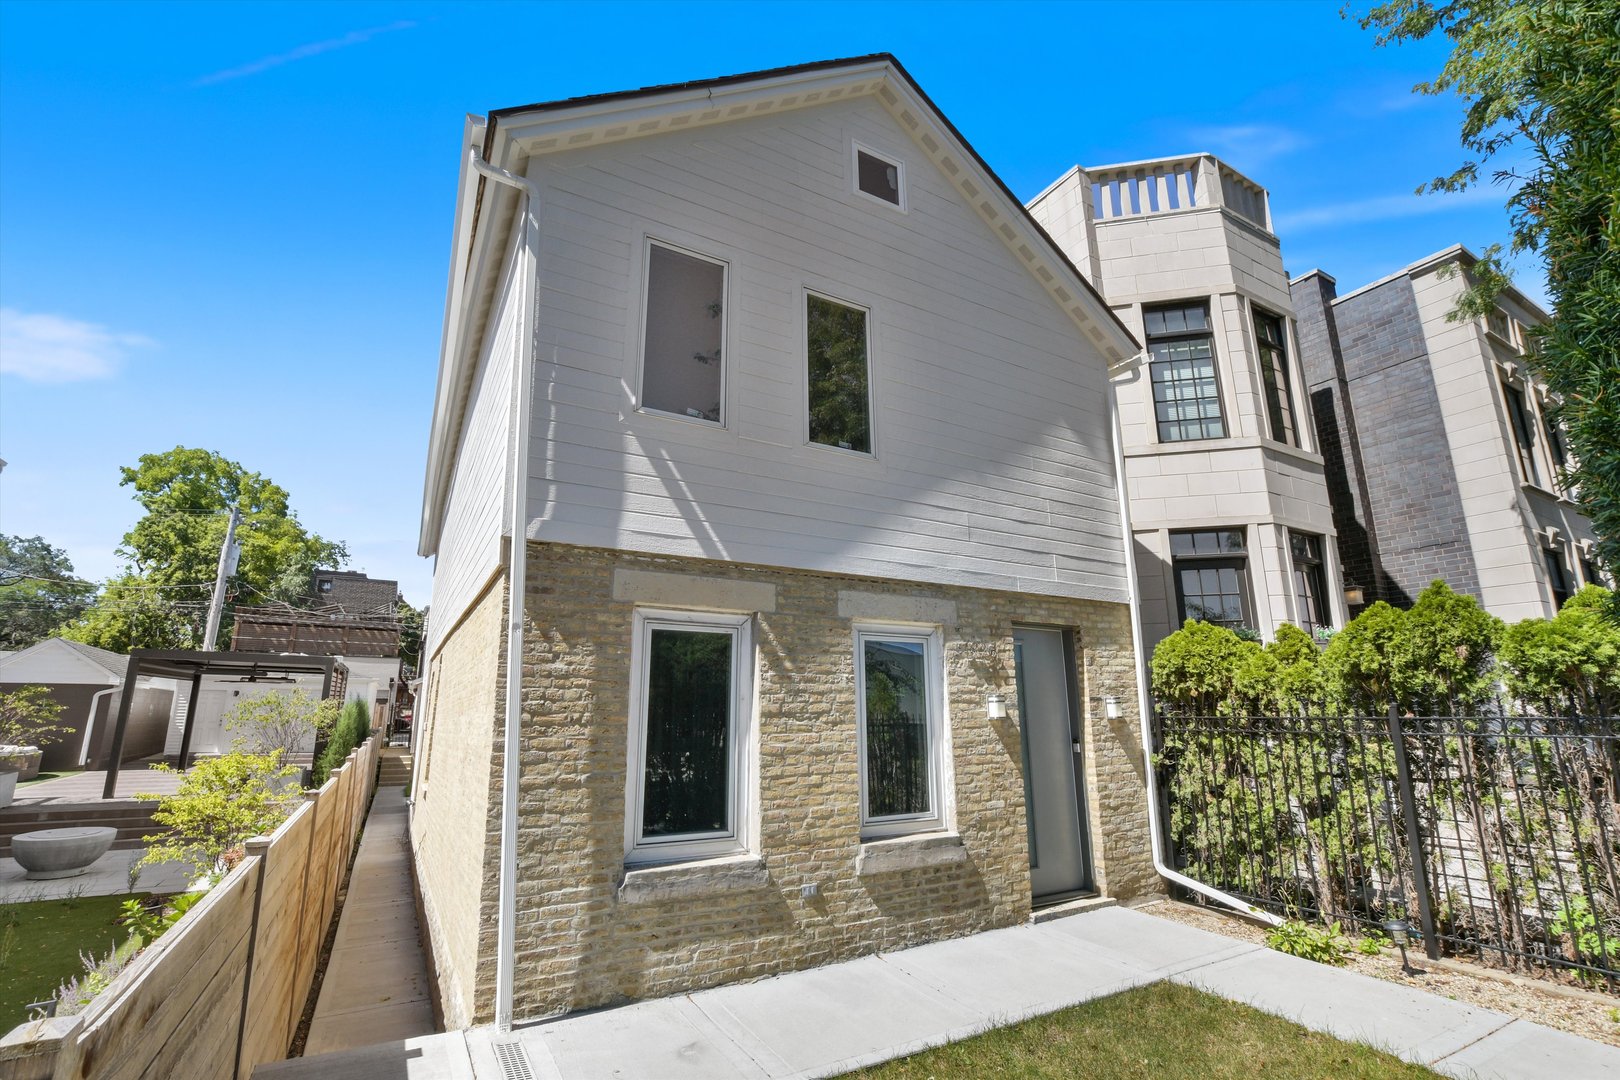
[1163, 1031]
[41, 778]
[40, 943]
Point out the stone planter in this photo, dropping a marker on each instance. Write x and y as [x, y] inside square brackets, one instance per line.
[60, 853]
[8, 788]
[24, 759]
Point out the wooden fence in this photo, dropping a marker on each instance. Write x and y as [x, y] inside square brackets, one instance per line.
[225, 988]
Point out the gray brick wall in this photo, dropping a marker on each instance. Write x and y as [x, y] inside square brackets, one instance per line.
[1411, 481]
[1336, 433]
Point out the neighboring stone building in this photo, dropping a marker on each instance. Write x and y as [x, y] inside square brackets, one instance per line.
[1443, 457]
[791, 434]
[1229, 498]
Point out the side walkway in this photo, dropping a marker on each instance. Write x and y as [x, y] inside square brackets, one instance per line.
[833, 1019]
[376, 986]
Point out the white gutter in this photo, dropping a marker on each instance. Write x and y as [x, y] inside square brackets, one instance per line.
[522, 380]
[90, 725]
[1144, 700]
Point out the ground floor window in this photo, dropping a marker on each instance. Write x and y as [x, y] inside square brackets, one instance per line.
[899, 680]
[1212, 576]
[1310, 581]
[689, 713]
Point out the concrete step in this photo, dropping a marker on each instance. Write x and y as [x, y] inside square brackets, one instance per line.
[132, 819]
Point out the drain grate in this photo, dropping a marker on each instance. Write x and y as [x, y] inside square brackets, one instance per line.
[513, 1061]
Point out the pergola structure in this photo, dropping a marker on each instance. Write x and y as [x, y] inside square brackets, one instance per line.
[183, 664]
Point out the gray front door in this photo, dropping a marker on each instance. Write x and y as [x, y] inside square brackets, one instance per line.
[1058, 861]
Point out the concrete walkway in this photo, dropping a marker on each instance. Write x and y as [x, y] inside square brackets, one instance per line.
[376, 985]
[833, 1019]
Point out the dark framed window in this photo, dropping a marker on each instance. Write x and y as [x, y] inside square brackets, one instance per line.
[1555, 439]
[1589, 570]
[681, 368]
[1212, 576]
[879, 177]
[1524, 436]
[1186, 392]
[1269, 336]
[1310, 581]
[840, 376]
[1557, 576]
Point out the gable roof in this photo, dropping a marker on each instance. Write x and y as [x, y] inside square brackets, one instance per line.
[113, 664]
[523, 131]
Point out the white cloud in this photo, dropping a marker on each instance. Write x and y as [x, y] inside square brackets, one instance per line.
[54, 349]
[302, 52]
[1247, 146]
[1384, 208]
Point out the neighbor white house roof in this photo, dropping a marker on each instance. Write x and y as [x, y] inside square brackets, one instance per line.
[58, 660]
[512, 134]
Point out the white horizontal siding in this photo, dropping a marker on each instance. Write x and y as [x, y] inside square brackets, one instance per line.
[993, 463]
[475, 509]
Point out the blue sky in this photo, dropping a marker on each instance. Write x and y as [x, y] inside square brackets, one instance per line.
[227, 225]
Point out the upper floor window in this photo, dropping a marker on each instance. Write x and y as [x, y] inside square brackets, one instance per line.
[1269, 338]
[682, 372]
[1555, 439]
[690, 696]
[1497, 322]
[879, 177]
[1310, 581]
[1557, 576]
[1186, 394]
[1212, 576]
[1589, 570]
[900, 679]
[1524, 436]
[840, 393]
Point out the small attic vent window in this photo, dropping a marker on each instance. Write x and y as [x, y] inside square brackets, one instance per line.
[878, 177]
[325, 584]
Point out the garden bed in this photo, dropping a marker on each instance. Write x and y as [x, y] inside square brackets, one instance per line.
[41, 943]
[1584, 1013]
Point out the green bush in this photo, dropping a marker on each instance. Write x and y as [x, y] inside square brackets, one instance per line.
[1197, 667]
[1570, 660]
[1323, 944]
[353, 727]
[221, 803]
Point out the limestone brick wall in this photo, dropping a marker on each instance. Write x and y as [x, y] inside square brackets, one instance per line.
[581, 944]
[454, 822]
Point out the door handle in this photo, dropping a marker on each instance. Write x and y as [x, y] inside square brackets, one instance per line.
[1076, 746]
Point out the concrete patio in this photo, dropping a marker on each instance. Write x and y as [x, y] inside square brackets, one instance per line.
[830, 1020]
[107, 876]
[86, 787]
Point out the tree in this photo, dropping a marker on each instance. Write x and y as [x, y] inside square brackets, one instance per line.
[173, 551]
[1542, 78]
[1197, 668]
[1569, 661]
[280, 725]
[38, 591]
[1442, 657]
[29, 716]
[411, 621]
[222, 803]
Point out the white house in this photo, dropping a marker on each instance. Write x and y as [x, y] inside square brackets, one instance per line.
[773, 445]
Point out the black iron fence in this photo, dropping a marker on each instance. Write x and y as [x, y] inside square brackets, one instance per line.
[1512, 821]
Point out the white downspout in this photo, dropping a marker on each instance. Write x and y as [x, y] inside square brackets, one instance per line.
[523, 377]
[1144, 700]
[90, 725]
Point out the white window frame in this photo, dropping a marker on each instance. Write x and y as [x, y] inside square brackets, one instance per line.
[640, 849]
[640, 345]
[932, 640]
[805, 294]
[856, 149]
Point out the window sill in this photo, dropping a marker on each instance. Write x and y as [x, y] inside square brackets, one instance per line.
[690, 880]
[910, 853]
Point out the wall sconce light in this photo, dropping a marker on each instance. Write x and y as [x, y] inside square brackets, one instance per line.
[1111, 707]
[996, 706]
[1400, 931]
[1353, 596]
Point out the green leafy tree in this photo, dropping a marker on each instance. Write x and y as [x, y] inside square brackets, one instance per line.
[1285, 676]
[222, 803]
[1539, 79]
[1569, 661]
[280, 725]
[29, 716]
[38, 591]
[353, 727]
[411, 621]
[173, 551]
[1357, 667]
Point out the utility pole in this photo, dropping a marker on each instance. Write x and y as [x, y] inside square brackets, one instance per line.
[229, 554]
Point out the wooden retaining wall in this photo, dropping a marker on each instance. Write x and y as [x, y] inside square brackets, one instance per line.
[225, 988]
